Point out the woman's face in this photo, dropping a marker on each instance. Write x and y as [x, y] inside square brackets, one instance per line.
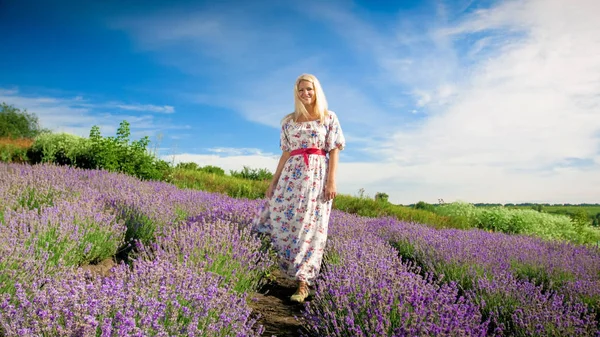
[306, 91]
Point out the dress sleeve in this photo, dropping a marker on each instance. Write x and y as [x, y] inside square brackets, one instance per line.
[284, 142]
[335, 136]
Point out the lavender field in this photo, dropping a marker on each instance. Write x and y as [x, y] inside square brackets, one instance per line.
[188, 264]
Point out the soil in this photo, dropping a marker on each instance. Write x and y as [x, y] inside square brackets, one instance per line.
[102, 268]
[280, 316]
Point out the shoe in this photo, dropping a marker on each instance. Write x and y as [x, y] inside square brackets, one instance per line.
[301, 293]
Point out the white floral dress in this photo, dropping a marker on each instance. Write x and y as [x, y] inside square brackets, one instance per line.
[297, 216]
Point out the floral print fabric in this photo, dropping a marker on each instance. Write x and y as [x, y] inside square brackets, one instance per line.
[297, 216]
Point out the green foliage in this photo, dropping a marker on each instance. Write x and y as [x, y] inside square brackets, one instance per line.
[115, 154]
[211, 182]
[522, 221]
[61, 149]
[541, 276]
[139, 226]
[424, 206]
[382, 197]
[31, 198]
[372, 208]
[15, 123]
[212, 169]
[252, 174]
[187, 166]
[10, 154]
[194, 167]
[14, 150]
[97, 244]
[580, 218]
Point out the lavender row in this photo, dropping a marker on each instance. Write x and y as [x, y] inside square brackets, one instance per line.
[527, 286]
[155, 298]
[57, 218]
[366, 290]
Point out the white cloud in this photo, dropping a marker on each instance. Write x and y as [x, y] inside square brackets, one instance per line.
[506, 114]
[228, 151]
[77, 116]
[147, 107]
[227, 163]
[500, 105]
[409, 184]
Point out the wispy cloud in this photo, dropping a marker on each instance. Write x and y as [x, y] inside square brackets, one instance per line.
[485, 104]
[228, 151]
[521, 114]
[509, 102]
[258, 61]
[76, 115]
[147, 107]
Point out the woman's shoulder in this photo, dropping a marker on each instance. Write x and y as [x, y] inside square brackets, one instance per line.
[331, 116]
[287, 119]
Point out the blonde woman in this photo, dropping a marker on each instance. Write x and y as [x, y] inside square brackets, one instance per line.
[304, 185]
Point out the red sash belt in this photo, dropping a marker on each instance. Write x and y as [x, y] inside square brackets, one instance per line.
[306, 152]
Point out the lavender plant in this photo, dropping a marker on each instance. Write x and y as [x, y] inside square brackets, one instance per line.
[215, 246]
[370, 292]
[508, 275]
[154, 298]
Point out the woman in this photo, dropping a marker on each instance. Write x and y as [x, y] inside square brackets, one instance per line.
[303, 186]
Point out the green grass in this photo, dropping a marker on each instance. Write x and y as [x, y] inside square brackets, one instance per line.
[212, 182]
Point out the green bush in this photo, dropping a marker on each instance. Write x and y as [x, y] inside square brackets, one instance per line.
[61, 149]
[114, 154]
[252, 174]
[424, 206]
[117, 154]
[523, 221]
[212, 169]
[211, 182]
[376, 208]
[187, 166]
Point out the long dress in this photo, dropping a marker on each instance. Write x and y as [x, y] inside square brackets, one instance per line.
[297, 216]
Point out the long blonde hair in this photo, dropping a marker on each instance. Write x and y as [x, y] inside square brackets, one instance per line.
[320, 104]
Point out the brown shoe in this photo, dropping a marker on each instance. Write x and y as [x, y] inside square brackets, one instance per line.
[301, 293]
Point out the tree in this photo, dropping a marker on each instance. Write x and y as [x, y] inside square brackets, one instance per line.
[15, 123]
[424, 206]
[381, 196]
[187, 166]
[580, 219]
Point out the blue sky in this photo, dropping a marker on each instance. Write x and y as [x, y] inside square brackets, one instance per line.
[482, 101]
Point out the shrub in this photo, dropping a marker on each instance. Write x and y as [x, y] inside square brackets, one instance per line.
[382, 197]
[187, 166]
[212, 169]
[252, 174]
[117, 154]
[61, 149]
[523, 221]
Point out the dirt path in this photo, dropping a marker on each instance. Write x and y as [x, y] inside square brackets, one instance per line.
[280, 316]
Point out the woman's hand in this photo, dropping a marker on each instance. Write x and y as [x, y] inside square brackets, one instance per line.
[330, 190]
[270, 190]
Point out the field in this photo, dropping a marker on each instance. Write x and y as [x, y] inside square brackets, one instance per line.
[183, 262]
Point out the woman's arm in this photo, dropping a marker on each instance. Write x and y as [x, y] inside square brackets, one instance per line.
[330, 188]
[284, 157]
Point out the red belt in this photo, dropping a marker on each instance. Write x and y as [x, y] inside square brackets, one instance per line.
[306, 152]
